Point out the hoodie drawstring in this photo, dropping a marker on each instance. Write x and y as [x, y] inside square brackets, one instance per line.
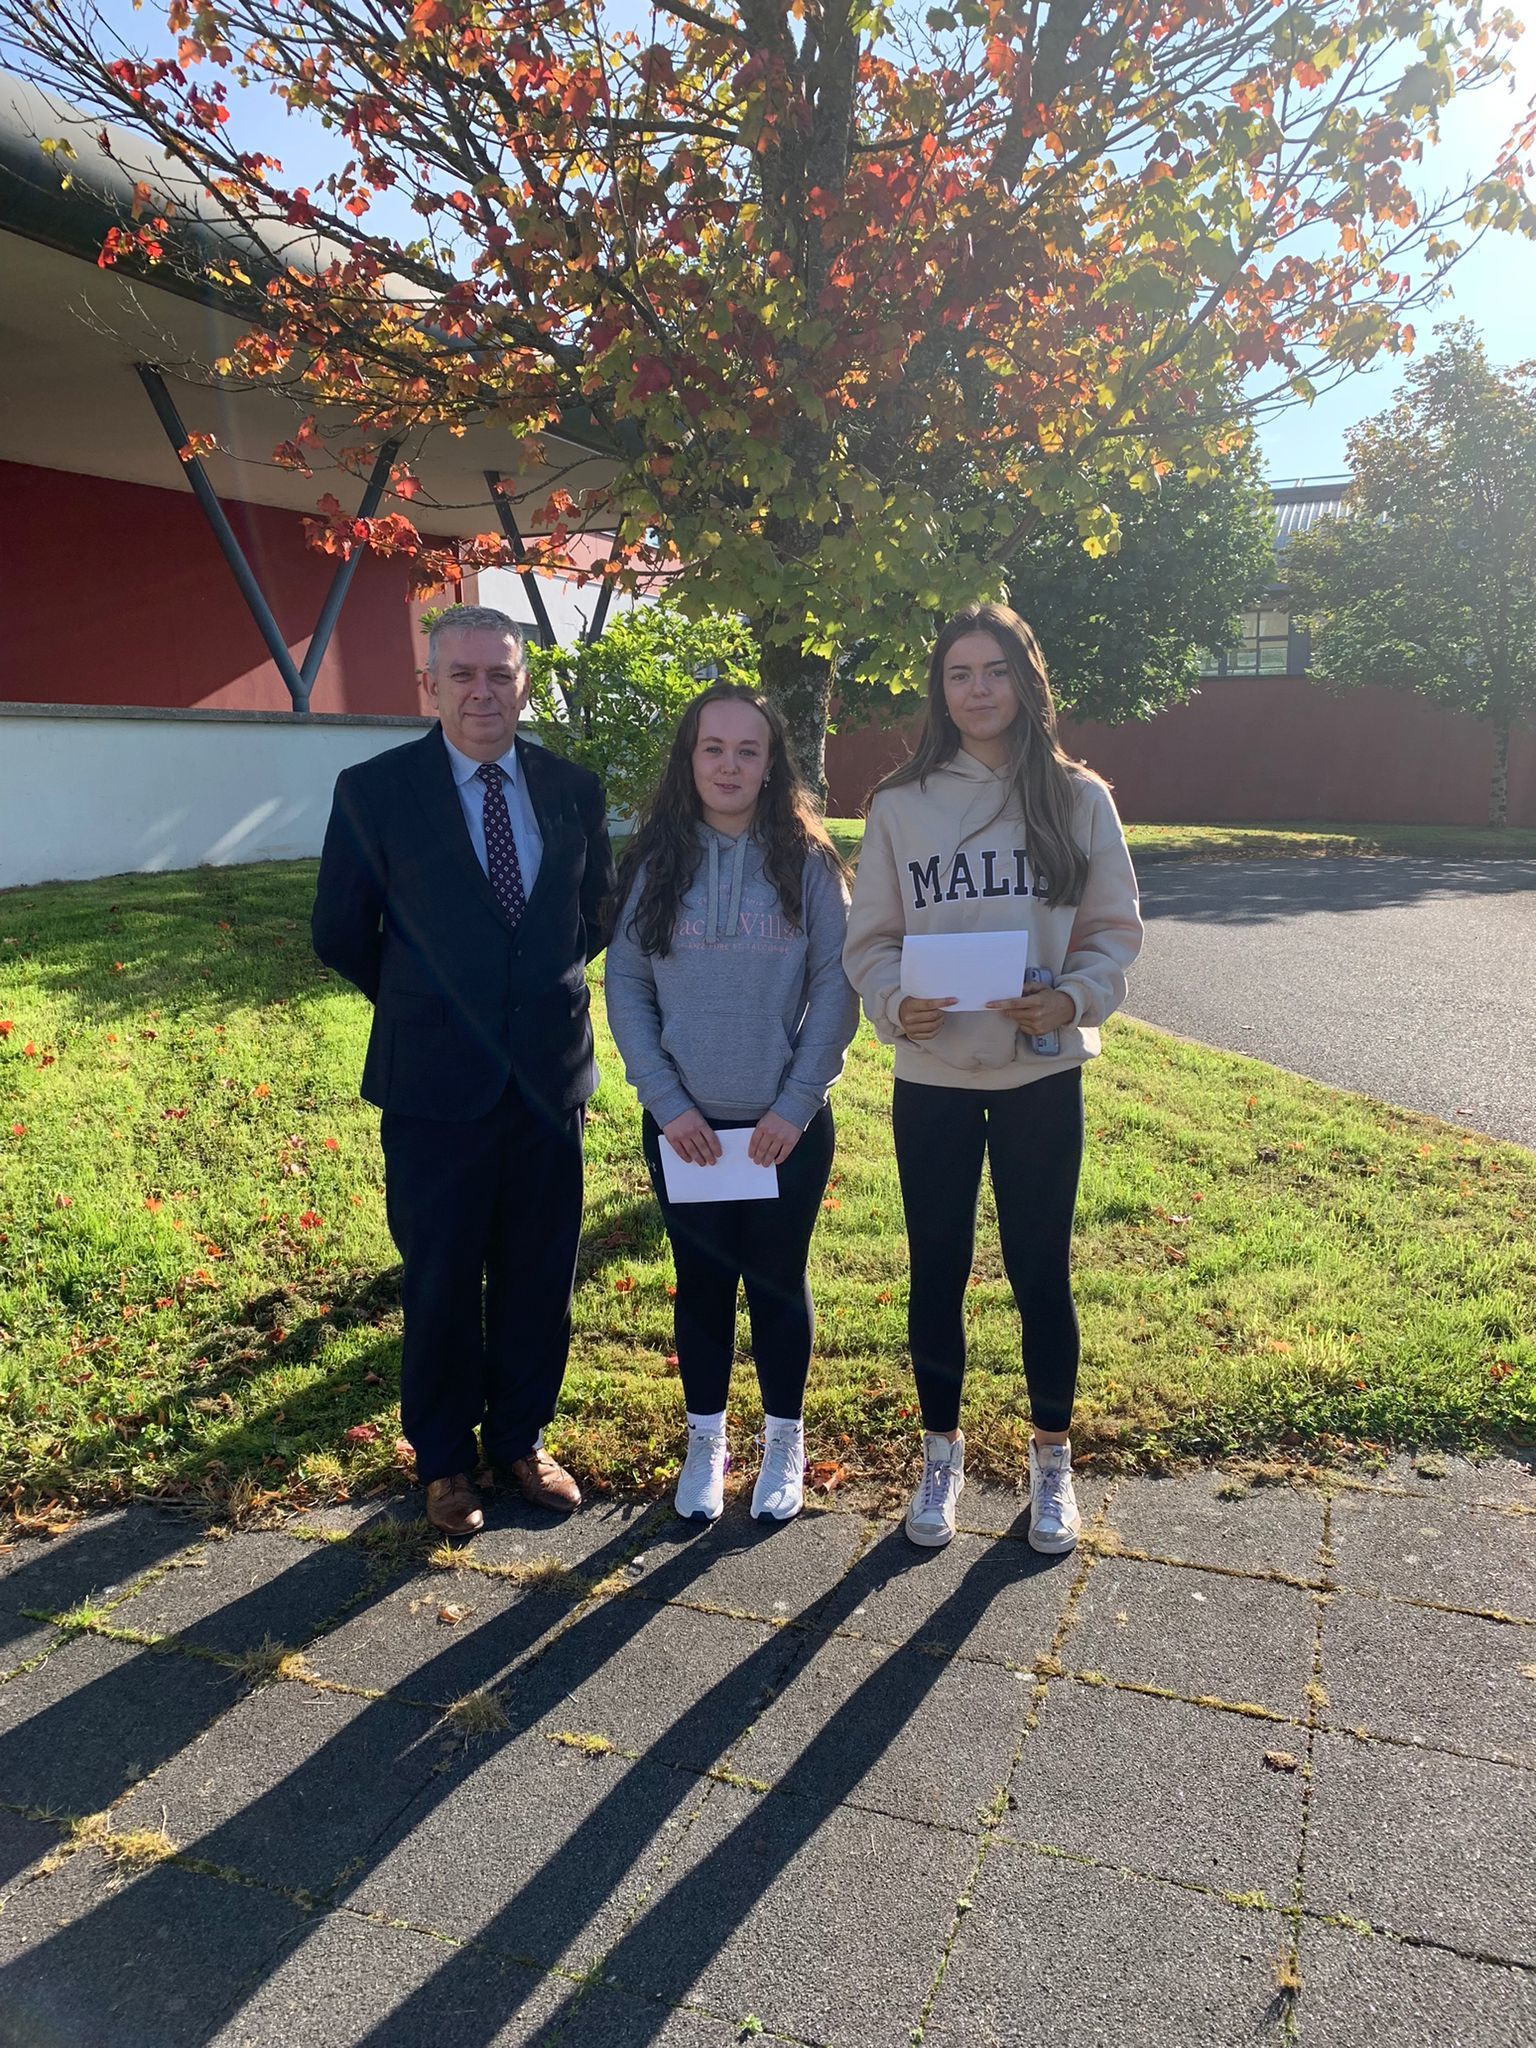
[718, 932]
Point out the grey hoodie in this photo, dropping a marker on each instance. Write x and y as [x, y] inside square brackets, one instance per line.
[746, 1012]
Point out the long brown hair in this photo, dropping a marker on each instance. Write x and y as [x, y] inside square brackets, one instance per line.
[1043, 776]
[666, 842]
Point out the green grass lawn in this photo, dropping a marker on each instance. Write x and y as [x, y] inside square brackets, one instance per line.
[1292, 842]
[198, 1296]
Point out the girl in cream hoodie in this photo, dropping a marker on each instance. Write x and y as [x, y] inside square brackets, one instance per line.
[990, 827]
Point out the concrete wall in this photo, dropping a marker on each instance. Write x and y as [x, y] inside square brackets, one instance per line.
[1263, 749]
[87, 792]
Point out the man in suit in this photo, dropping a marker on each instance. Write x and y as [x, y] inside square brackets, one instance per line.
[463, 888]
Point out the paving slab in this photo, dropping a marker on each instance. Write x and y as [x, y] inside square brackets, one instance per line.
[989, 1599]
[245, 1590]
[93, 1959]
[1425, 1844]
[604, 2018]
[345, 1981]
[685, 1689]
[1435, 1550]
[103, 1554]
[989, 1508]
[25, 1646]
[293, 1785]
[1156, 1786]
[826, 1926]
[1435, 1678]
[97, 1716]
[1051, 1951]
[1271, 1528]
[1508, 1480]
[924, 1738]
[1369, 1991]
[598, 1536]
[537, 1851]
[1197, 1633]
[395, 1641]
[23, 1844]
[773, 1572]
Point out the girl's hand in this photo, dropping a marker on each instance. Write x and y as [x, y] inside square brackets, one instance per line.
[921, 1016]
[1038, 1011]
[773, 1140]
[691, 1138]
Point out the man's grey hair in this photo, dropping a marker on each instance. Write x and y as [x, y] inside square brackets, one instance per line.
[474, 618]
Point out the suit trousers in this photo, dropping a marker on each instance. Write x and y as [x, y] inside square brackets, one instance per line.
[487, 1218]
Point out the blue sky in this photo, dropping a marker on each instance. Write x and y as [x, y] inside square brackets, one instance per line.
[1494, 286]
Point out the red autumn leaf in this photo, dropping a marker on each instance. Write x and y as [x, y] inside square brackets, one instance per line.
[29, 1050]
[826, 1475]
[63, 1201]
[261, 1090]
[310, 1220]
[362, 1433]
[153, 1202]
[624, 1286]
[18, 1130]
[332, 1144]
[404, 1452]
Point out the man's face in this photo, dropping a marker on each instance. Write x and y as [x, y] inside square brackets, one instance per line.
[478, 685]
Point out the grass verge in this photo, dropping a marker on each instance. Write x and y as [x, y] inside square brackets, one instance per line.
[199, 1298]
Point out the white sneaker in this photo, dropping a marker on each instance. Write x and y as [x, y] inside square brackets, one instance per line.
[931, 1515]
[779, 1493]
[701, 1483]
[1054, 1522]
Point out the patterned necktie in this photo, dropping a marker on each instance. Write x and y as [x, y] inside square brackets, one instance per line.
[501, 859]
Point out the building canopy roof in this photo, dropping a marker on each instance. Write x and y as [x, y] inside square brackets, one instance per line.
[72, 335]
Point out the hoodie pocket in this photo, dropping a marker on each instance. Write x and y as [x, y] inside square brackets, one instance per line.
[976, 1041]
[744, 1067]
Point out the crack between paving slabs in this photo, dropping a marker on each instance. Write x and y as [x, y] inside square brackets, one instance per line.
[993, 1816]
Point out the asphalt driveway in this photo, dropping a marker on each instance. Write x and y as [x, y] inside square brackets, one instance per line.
[1410, 980]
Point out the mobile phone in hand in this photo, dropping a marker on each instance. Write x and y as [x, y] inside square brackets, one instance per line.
[1046, 1043]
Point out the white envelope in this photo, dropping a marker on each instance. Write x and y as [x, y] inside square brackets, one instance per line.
[733, 1177]
[976, 968]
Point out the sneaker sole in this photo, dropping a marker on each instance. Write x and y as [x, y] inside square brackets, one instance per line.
[925, 1542]
[1056, 1548]
[699, 1517]
[780, 1520]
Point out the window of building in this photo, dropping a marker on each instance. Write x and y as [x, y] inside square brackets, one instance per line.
[1267, 644]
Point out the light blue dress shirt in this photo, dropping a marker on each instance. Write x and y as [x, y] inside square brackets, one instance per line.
[525, 828]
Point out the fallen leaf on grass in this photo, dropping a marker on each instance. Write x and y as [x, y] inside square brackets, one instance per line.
[362, 1433]
[827, 1475]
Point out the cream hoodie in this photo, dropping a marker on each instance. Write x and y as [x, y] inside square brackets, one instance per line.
[947, 858]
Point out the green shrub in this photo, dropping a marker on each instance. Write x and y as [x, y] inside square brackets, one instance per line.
[613, 703]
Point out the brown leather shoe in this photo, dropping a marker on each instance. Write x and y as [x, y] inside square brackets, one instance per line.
[453, 1506]
[543, 1483]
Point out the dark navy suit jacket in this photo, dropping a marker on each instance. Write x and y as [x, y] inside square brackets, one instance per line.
[462, 1002]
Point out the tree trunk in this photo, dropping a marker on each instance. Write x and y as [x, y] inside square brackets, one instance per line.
[800, 688]
[1498, 795]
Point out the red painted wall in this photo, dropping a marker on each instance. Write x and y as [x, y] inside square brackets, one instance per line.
[114, 593]
[1265, 749]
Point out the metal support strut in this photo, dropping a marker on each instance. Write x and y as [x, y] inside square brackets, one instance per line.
[224, 534]
[336, 596]
[520, 555]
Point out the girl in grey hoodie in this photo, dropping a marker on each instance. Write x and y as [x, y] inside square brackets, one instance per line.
[728, 1001]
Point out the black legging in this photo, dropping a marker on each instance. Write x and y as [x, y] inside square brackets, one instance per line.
[1033, 1138]
[717, 1246]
